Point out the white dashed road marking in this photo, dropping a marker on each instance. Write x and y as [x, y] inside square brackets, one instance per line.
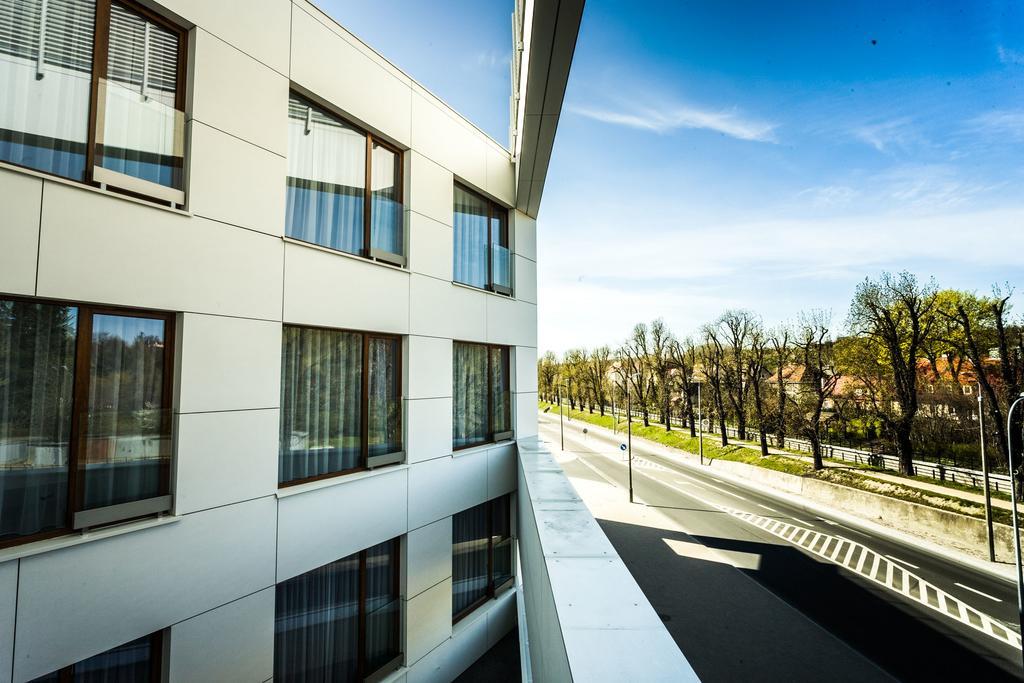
[767, 508]
[912, 566]
[975, 590]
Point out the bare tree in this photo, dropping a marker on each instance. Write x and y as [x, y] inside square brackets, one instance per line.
[574, 377]
[895, 314]
[547, 371]
[782, 358]
[636, 353]
[712, 357]
[684, 358]
[598, 365]
[660, 361]
[735, 327]
[820, 376]
[757, 359]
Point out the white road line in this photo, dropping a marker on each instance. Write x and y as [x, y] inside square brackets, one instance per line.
[912, 566]
[797, 519]
[767, 508]
[975, 590]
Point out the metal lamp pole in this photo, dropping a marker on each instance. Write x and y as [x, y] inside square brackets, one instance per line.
[561, 423]
[1013, 507]
[984, 472]
[700, 420]
[629, 439]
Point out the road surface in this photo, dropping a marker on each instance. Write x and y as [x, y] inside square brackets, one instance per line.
[792, 600]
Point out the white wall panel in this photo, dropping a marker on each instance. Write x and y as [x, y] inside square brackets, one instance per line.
[511, 322]
[501, 176]
[233, 643]
[236, 182]
[525, 368]
[441, 309]
[153, 258]
[449, 141]
[20, 199]
[430, 247]
[429, 553]
[328, 65]
[446, 662]
[501, 470]
[525, 279]
[234, 93]
[440, 488]
[430, 428]
[430, 367]
[429, 619]
[319, 526]
[261, 31]
[225, 458]
[526, 414]
[431, 189]
[229, 363]
[8, 604]
[524, 235]
[331, 290]
[88, 598]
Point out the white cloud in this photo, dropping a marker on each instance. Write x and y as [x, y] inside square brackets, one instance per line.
[665, 119]
[1009, 56]
[491, 59]
[886, 136]
[829, 195]
[1001, 122]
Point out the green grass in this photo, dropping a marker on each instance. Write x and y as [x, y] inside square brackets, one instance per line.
[846, 476]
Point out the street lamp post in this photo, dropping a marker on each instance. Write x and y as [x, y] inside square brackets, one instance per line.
[1013, 508]
[984, 474]
[629, 439]
[700, 421]
[561, 423]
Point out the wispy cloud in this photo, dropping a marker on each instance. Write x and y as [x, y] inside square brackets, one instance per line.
[828, 195]
[666, 119]
[491, 59]
[1009, 56]
[887, 136]
[1003, 122]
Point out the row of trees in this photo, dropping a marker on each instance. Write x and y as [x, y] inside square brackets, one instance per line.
[893, 376]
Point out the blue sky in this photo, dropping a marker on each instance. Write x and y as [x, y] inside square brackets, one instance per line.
[767, 156]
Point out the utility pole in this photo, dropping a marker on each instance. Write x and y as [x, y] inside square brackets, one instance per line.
[984, 471]
[700, 421]
[1013, 509]
[561, 423]
[629, 439]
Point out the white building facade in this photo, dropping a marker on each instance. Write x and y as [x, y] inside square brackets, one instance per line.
[267, 344]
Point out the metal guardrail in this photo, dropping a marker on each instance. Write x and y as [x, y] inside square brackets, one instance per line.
[933, 470]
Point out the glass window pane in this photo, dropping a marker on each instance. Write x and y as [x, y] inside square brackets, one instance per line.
[501, 540]
[501, 256]
[501, 390]
[45, 83]
[382, 605]
[128, 663]
[469, 386]
[316, 629]
[140, 131]
[127, 446]
[326, 179]
[37, 368]
[321, 399]
[471, 216]
[385, 397]
[469, 558]
[385, 209]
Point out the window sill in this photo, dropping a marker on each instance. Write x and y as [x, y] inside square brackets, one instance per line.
[75, 538]
[345, 254]
[328, 482]
[90, 188]
[479, 448]
[508, 297]
[507, 592]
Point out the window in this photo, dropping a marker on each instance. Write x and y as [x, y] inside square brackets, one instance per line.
[97, 90]
[482, 256]
[330, 202]
[341, 403]
[134, 662]
[481, 554]
[85, 422]
[482, 403]
[340, 622]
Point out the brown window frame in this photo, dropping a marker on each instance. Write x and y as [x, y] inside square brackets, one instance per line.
[361, 672]
[493, 436]
[100, 55]
[367, 251]
[80, 397]
[494, 210]
[66, 674]
[492, 587]
[364, 405]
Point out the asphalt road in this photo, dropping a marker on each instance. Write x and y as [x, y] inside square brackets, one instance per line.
[779, 611]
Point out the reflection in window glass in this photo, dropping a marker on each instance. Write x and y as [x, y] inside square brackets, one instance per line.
[382, 605]
[321, 402]
[37, 368]
[501, 390]
[384, 400]
[481, 553]
[471, 216]
[326, 179]
[385, 207]
[470, 424]
[133, 662]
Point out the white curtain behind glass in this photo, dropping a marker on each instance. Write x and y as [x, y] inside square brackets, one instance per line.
[469, 370]
[470, 251]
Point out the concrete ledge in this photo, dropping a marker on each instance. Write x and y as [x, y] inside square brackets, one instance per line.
[587, 618]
